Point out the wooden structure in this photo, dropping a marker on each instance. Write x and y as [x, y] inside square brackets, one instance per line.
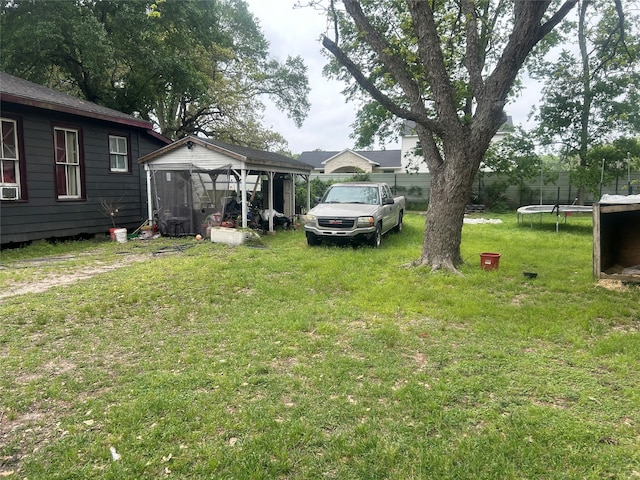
[616, 238]
[250, 168]
[65, 162]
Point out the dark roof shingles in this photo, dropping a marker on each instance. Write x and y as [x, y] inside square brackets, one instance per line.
[384, 158]
[258, 155]
[18, 90]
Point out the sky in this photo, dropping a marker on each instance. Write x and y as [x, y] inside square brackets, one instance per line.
[296, 31]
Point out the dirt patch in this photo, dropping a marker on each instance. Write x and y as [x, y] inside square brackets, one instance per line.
[615, 285]
[69, 276]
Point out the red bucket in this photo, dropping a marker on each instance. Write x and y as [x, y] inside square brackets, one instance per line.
[489, 261]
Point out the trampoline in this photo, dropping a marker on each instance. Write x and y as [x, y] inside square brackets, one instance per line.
[564, 210]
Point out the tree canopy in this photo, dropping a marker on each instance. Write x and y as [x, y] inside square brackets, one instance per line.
[189, 66]
[591, 87]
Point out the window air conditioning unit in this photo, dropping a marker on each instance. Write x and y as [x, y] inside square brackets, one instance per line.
[8, 193]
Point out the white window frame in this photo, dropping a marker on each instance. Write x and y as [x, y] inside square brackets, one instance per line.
[118, 159]
[7, 155]
[70, 163]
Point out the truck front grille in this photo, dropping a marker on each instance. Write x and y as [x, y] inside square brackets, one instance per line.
[336, 222]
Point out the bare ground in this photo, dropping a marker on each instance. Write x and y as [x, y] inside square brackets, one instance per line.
[66, 275]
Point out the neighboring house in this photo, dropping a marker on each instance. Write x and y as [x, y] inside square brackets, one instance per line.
[406, 160]
[352, 161]
[62, 159]
[413, 162]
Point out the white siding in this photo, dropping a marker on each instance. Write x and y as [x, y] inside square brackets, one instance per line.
[409, 160]
[198, 156]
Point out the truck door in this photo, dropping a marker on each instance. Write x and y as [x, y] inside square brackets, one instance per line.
[388, 211]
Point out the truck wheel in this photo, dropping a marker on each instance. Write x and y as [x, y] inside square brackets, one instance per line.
[398, 227]
[376, 238]
[312, 240]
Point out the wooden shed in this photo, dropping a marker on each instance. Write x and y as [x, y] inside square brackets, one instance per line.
[616, 238]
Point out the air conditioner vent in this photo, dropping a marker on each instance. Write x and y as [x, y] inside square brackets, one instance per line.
[8, 193]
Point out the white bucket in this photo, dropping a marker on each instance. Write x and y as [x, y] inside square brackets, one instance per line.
[121, 235]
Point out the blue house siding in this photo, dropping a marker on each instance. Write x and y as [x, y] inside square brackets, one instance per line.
[42, 215]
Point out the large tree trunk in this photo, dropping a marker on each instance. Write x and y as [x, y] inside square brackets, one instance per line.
[451, 185]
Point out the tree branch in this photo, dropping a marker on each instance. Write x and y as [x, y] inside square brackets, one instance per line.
[367, 85]
[394, 63]
[527, 32]
[620, 12]
[433, 61]
[549, 25]
[334, 15]
[473, 57]
[430, 151]
[614, 41]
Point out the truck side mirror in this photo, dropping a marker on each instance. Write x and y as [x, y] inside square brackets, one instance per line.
[387, 201]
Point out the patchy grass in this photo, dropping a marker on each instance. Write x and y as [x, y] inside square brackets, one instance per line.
[283, 361]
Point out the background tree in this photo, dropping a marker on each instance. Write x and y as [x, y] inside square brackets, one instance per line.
[449, 66]
[514, 161]
[592, 91]
[190, 66]
[615, 161]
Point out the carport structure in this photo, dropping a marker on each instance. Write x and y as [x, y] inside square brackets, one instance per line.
[249, 170]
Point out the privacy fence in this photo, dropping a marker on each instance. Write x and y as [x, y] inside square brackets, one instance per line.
[492, 191]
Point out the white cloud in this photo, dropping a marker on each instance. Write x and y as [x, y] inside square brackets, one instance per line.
[297, 31]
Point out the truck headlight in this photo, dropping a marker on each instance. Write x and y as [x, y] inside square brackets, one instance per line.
[310, 219]
[366, 222]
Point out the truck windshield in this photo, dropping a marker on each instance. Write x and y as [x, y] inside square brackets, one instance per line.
[352, 194]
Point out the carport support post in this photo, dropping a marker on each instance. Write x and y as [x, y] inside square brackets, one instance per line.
[149, 195]
[292, 198]
[243, 186]
[271, 174]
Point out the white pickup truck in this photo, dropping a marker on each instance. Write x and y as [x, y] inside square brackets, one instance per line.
[355, 212]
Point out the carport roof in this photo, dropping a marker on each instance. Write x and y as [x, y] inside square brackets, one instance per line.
[252, 157]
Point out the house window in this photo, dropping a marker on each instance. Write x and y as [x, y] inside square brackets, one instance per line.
[68, 166]
[9, 161]
[118, 154]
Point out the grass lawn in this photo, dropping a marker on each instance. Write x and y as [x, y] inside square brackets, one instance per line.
[281, 361]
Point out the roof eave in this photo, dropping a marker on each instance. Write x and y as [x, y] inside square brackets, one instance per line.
[132, 122]
[369, 161]
[236, 156]
[302, 167]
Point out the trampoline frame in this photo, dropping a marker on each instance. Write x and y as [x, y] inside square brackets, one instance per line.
[564, 210]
